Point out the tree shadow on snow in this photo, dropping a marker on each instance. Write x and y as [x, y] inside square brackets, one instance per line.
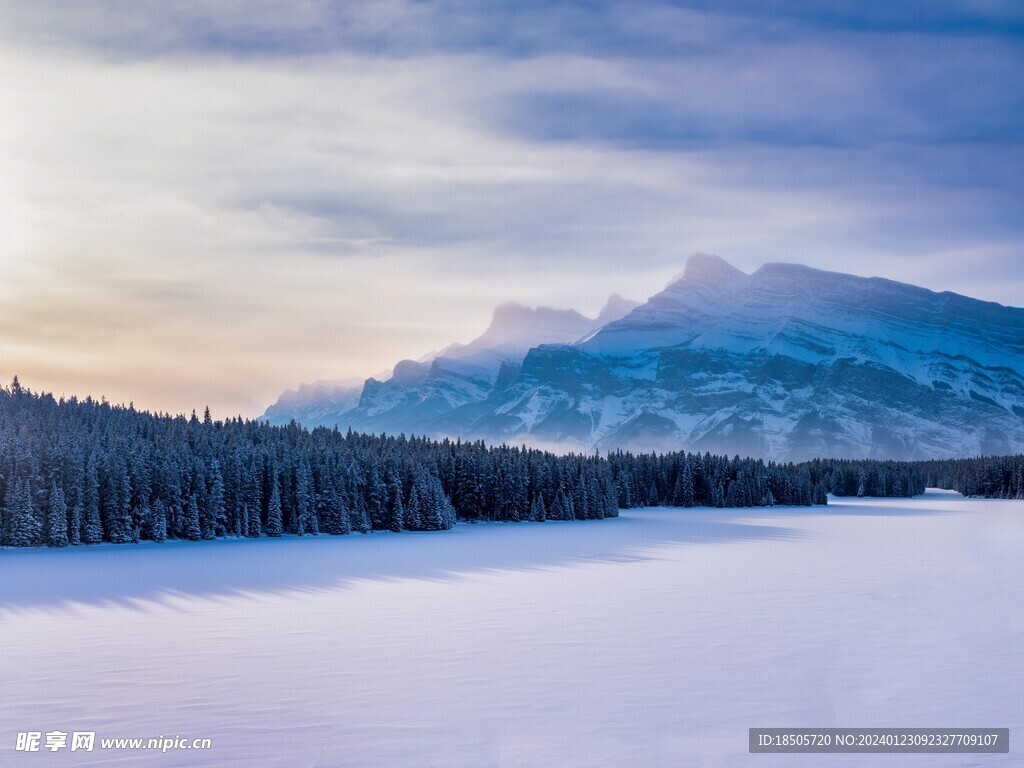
[135, 574]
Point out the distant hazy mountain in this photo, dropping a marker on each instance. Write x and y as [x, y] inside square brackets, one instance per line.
[788, 362]
[315, 404]
[419, 394]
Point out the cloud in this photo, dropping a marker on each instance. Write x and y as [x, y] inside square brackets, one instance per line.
[210, 202]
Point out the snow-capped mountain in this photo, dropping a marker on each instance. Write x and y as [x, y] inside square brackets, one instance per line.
[315, 404]
[420, 395]
[787, 363]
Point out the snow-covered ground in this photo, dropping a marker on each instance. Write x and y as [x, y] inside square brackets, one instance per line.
[655, 639]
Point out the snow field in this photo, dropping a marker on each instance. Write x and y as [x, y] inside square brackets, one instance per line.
[654, 639]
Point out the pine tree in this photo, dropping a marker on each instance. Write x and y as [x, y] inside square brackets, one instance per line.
[537, 512]
[215, 518]
[11, 499]
[116, 508]
[24, 528]
[274, 523]
[242, 520]
[624, 485]
[252, 497]
[307, 522]
[57, 518]
[652, 496]
[253, 521]
[92, 529]
[443, 511]
[190, 528]
[343, 513]
[413, 520]
[334, 518]
[158, 521]
[593, 499]
[396, 509]
[579, 500]
[469, 491]
[361, 518]
[75, 525]
[376, 498]
[558, 506]
[686, 497]
[820, 495]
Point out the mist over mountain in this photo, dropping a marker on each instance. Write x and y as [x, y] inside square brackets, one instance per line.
[788, 362]
[314, 404]
[416, 393]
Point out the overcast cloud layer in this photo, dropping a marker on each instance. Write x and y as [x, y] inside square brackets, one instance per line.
[207, 203]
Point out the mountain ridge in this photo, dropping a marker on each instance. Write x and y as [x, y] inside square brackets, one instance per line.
[787, 362]
[464, 372]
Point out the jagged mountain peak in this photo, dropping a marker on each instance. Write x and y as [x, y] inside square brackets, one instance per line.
[514, 324]
[409, 372]
[706, 269]
[814, 314]
[616, 307]
[512, 312]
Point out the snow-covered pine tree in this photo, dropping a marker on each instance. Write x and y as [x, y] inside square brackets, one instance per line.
[343, 511]
[57, 518]
[190, 521]
[92, 527]
[215, 516]
[25, 528]
[537, 512]
[116, 509]
[376, 498]
[305, 506]
[558, 506]
[75, 525]
[443, 511]
[274, 523]
[242, 520]
[360, 518]
[253, 520]
[395, 508]
[158, 521]
[252, 497]
[593, 499]
[413, 513]
[652, 495]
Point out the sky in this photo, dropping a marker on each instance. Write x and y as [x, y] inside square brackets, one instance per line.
[207, 203]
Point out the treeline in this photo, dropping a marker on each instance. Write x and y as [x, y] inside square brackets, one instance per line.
[689, 480]
[686, 480]
[83, 472]
[860, 477]
[990, 477]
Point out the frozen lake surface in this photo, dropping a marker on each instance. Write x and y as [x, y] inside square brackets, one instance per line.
[654, 639]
